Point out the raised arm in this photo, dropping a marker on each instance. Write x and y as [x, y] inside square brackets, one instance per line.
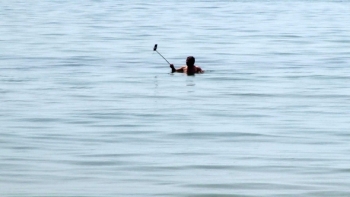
[173, 69]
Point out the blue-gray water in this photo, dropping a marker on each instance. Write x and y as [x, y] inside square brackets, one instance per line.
[88, 109]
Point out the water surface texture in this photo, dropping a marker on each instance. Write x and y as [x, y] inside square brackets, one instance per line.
[88, 109]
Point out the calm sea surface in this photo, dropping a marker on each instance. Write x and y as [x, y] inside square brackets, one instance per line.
[87, 108]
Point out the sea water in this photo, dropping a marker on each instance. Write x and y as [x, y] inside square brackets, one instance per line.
[89, 109]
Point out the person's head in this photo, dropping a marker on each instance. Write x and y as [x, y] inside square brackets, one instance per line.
[190, 61]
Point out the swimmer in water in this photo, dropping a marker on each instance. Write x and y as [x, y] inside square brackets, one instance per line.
[189, 69]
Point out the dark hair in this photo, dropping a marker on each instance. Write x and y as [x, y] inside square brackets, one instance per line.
[190, 60]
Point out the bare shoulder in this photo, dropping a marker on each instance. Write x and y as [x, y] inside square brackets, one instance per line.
[199, 69]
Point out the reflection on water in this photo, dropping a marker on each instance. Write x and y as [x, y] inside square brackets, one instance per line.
[88, 109]
[190, 81]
